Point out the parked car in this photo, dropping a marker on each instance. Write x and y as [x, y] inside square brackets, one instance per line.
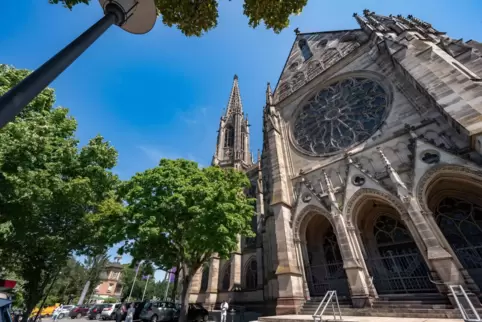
[109, 311]
[60, 313]
[79, 311]
[95, 311]
[158, 311]
[196, 312]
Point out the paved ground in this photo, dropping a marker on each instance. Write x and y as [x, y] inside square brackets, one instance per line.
[252, 316]
[305, 318]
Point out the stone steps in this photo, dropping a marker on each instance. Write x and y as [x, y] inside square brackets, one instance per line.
[410, 306]
[397, 312]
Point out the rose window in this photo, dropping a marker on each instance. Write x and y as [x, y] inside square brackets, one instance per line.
[340, 116]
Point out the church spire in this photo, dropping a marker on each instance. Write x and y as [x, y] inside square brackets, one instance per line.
[234, 104]
[232, 148]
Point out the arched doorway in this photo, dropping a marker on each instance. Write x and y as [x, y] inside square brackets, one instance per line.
[325, 270]
[457, 209]
[393, 259]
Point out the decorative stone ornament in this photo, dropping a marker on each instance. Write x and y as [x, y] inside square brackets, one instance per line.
[340, 116]
[306, 197]
[430, 157]
[358, 180]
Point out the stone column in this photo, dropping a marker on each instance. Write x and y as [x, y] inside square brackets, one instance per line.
[299, 256]
[235, 274]
[354, 270]
[290, 282]
[213, 282]
[195, 286]
[259, 268]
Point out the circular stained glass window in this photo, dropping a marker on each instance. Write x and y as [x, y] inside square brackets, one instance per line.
[340, 116]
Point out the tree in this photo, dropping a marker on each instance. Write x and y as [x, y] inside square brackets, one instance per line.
[179, 213]
[94, 265]
[194, 17]
[55, 199]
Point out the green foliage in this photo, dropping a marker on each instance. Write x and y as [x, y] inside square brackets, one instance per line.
[179, 213]
[194, 17]
[56, 199]
[155, 289]
[111, 300]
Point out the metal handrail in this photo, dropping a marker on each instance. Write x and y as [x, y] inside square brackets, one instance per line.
[327, 299]
[464, 313]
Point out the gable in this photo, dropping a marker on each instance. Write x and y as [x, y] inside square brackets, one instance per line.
[326, 49]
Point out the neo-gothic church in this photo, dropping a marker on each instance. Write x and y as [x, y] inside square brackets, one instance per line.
[369, 181]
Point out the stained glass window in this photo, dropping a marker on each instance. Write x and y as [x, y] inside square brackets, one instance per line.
[392, 236]
[252, 275]
[340, 116]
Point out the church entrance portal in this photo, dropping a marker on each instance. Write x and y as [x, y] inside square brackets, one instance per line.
[457, 210]
[325, 271]
[392, 256]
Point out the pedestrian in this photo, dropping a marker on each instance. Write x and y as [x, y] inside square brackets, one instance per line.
[130, 313]
[224, 311]
[120, 312]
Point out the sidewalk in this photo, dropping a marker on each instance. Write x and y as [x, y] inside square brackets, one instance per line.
[305, 318]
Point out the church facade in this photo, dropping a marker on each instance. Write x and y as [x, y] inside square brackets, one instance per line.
[369, 181]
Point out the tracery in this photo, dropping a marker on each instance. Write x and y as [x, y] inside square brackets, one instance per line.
[339, 116]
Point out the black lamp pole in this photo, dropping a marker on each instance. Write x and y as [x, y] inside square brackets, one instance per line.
[12, 102]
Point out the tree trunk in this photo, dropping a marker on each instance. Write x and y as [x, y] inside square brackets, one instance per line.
[186, 285]
[174, 285]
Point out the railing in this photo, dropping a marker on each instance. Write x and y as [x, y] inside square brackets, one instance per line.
[459, 294]
[328, 276]
[327, 299]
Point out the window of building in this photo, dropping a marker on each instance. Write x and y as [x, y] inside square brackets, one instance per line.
[229, 137]
[252, 274]
[305, 49]
[226, 278]
[110, 288]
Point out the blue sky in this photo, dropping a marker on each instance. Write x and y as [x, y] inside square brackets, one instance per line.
[161, 94]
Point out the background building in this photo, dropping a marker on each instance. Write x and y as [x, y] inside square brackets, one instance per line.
[369, 182]
[110, 281]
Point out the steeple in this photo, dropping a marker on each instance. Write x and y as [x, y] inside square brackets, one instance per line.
[232, 148]
[234, 104]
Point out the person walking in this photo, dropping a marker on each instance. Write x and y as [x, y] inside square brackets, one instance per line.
[224, 311]
[120, 312]
[130, 313]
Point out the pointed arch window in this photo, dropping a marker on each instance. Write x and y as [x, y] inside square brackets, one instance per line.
[226, 278]
[229, 137]
[305, 49]
[251, 275]
[205, 279]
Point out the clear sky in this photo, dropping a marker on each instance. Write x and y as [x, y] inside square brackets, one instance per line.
[161, 94]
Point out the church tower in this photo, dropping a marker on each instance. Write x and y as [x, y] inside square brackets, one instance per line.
[232, 148]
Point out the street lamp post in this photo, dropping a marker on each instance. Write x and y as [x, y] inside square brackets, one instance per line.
[134, 16]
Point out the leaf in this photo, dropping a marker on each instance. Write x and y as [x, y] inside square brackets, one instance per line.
[196, 17]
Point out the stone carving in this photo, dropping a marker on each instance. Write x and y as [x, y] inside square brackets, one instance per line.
[364, 193]
[432, 173]
[305, 215]
[358, 180]
[326, 48]
[340, 116]
[430, 157]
